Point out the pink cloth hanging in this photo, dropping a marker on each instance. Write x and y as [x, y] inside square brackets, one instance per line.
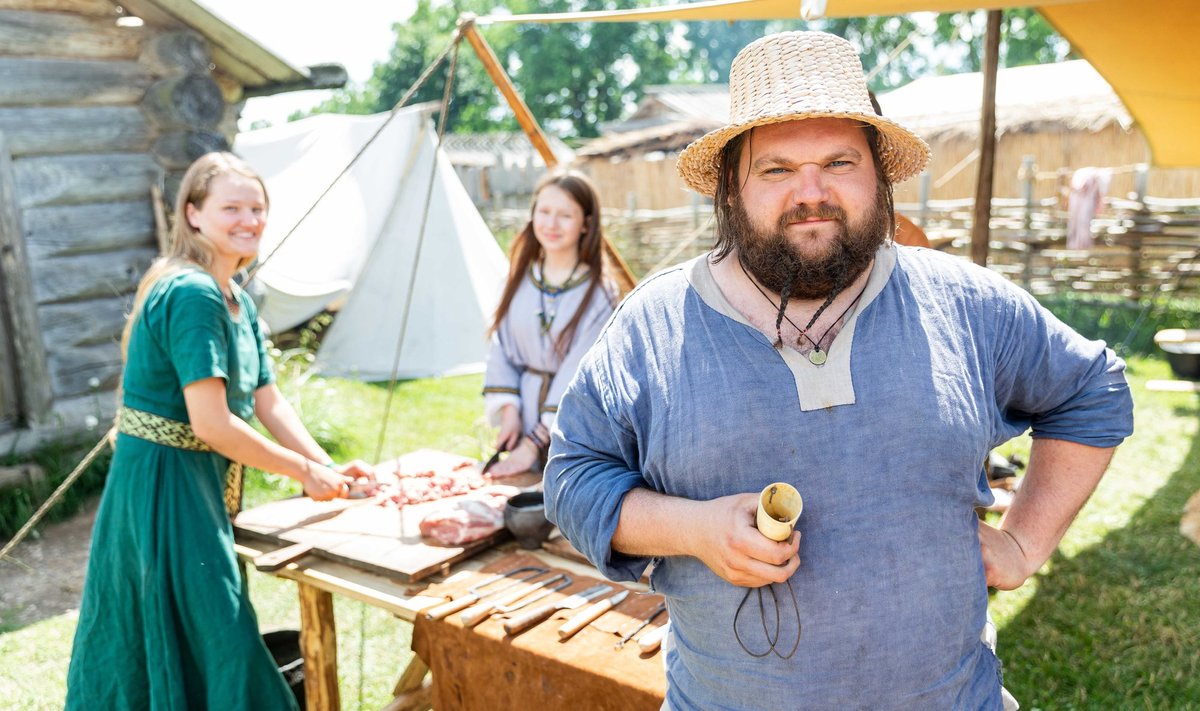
[1088, 186]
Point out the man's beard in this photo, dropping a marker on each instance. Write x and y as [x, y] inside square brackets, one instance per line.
[784, 269]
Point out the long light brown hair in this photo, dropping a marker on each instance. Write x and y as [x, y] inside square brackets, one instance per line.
[594, 250]
[187, 248]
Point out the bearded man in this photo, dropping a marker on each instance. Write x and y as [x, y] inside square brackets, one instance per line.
[808, 349]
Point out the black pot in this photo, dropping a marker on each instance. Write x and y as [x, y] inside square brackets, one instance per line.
[525, 517]
[1184, 358]
[284, 646]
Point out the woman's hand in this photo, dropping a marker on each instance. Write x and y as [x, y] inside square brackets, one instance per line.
[510, 429]
[324, 484]
[518, 461]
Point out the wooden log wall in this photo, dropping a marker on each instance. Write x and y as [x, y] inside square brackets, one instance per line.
[93, 115]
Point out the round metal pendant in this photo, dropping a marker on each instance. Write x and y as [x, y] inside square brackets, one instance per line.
[817, 356]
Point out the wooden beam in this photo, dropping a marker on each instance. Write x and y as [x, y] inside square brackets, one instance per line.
[64, 230]
[414, 690]
[318, 643]
[491, 64]
[529, 125]
[91, 276]
[187, 101]
[50, 82]
[176, 52]
[982, 217]
[78, 179]
[80, 371]
[95, 8]
[47, 34]
[33, 377]
[25, 475]
[53, 130]
[177, 150]
[84, 323]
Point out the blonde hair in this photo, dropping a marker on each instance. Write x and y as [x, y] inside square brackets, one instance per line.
[186, 248]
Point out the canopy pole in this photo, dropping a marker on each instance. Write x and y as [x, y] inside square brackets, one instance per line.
[466, 25]
[468, 29]
[981, 219]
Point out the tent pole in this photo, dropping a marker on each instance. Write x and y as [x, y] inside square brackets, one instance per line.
[491, 63]
[981, 219]
[467, 28]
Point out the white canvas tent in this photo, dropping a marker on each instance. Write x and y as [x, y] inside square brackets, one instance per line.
[357, 246]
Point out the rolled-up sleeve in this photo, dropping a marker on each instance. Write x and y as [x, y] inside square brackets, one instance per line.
[593, 455]
[501, 381]
[1060, 384]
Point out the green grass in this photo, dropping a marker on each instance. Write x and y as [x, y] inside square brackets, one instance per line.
[1112, 622]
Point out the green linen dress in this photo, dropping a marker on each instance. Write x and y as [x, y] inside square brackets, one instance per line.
[165, 621]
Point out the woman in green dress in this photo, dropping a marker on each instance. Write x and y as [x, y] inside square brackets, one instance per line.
[166, 622]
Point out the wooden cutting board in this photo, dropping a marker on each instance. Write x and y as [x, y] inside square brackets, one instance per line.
[380, 538]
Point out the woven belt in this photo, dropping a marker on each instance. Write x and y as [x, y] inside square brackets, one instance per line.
[173, 433]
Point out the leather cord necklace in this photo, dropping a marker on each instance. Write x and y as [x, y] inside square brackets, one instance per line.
[545, 317]
[816, 356]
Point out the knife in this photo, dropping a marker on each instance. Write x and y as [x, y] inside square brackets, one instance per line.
[652, 639]
[585, 616]
[528, 619]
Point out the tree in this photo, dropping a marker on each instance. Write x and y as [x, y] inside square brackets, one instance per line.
[583, 74]
[475, 104]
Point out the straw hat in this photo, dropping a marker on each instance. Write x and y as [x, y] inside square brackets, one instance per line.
[799, 75]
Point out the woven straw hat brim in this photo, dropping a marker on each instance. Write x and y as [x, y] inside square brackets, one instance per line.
[901, 151]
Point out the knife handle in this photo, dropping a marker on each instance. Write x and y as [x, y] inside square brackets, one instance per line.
[524, 621]
[584, 618]
[477, 614]
[449, 608]
[652, 639]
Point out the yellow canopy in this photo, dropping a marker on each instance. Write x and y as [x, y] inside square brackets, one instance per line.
[1148, 50]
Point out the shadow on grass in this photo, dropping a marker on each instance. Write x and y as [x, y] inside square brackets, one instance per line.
[1118, 626]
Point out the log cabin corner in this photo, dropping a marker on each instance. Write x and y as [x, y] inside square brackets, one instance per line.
[102, 107]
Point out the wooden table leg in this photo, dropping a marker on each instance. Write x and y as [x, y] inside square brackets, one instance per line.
[412, 692]
[318, 644]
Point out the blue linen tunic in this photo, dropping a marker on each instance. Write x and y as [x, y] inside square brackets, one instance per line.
[941, 362]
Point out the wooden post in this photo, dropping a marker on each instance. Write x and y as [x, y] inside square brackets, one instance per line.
[923, 211]
[413, 692]
[491, 64]
[981, 219]
[1027, 175]
[318, 644]
[33, 381]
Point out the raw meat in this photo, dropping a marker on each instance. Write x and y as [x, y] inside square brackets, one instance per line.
[469, 518]
[427, 475]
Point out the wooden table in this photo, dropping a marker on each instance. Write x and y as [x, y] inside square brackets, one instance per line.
[318, 579]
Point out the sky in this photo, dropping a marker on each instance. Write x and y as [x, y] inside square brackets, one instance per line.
[357, 34]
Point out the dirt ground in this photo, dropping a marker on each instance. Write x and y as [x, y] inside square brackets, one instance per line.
[51, 580]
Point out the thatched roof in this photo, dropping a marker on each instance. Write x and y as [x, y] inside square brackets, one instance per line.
[667, 137]
[1068, 96]
[1065, 96]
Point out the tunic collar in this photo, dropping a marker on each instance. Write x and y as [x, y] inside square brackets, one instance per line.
[817, 387]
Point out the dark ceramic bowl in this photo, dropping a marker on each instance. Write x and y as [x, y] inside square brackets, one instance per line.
[1184, 358]
[525, 517]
